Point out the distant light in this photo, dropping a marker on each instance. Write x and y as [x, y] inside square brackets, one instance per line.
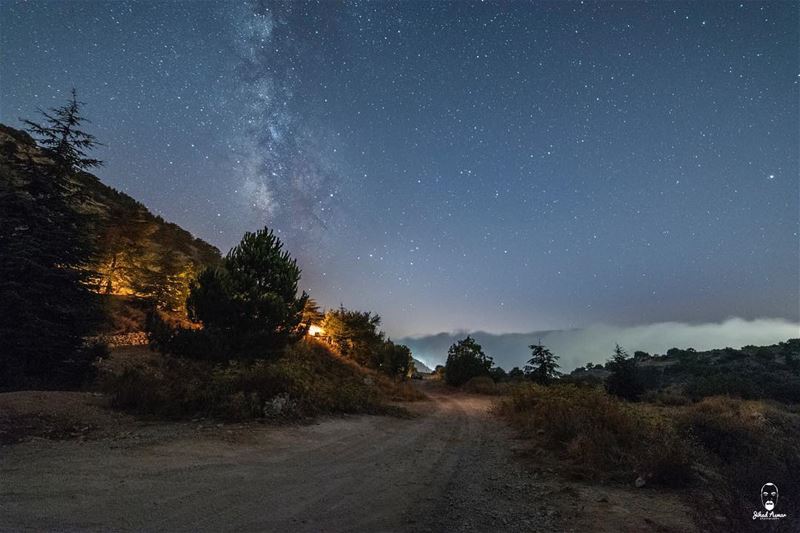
[316, 331]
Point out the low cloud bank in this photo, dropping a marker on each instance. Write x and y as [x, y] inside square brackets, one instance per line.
[594, 344]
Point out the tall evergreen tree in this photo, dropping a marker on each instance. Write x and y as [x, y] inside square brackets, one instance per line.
[61, 135]
[542, 367]
[45, 251]
[624, 380]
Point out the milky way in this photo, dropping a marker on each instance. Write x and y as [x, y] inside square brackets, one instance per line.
[495, 166]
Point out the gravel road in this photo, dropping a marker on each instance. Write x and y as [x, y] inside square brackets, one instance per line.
[450, 468]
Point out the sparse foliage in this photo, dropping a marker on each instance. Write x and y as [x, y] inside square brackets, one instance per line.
[61, 134]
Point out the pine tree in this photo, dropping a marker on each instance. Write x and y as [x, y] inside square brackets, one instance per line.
[62, 136]
[250, 302]
[312, 313]
[45, 250]
[542, 367]
[624, 380]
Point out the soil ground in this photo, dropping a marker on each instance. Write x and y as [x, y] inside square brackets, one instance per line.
[451, 467]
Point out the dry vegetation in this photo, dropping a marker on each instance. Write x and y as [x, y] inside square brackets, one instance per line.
[721, 449]
[310, 379]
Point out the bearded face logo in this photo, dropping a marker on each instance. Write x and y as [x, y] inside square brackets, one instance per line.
[769, 496]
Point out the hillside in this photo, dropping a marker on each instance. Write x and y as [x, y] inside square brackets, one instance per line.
[751, 372]
[139, 257]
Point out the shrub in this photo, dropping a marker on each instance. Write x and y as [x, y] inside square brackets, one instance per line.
[752, 385]
[749, 443]
[498, 374]
[309, 380]
[665, 397]
[480, 385]
[600, 434]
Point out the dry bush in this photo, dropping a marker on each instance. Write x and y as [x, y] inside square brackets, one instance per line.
[747, 444]
[667, 397]
[308, 380]
[601, 435]
[727, 447]
[480, 385]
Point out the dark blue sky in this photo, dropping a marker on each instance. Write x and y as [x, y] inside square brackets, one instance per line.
[502, 166]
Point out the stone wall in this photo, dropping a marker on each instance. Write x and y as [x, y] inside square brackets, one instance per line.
[136, 338]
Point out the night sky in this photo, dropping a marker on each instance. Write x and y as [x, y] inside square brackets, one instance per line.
[501, 166]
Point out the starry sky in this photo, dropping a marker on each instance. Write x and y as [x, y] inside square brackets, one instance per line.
[502, 166]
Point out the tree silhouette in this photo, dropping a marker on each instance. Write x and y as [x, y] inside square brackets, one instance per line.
[516, 373]
[312, 313]
[542, 367]
[624, 380]
[46, 251]
[61, 134]
[466, 360]
[397, 360]
[250, 302]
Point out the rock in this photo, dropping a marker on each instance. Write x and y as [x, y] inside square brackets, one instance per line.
[640, 482]
[277, 405]
[603, 498]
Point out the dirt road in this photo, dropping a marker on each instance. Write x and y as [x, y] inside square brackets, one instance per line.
[446, 469]
[451, 468]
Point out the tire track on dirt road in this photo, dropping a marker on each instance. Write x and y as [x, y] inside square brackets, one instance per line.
[449, 468]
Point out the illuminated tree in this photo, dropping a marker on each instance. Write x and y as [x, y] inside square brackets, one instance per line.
[356, 335]
[466, 360]
[312, 313]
